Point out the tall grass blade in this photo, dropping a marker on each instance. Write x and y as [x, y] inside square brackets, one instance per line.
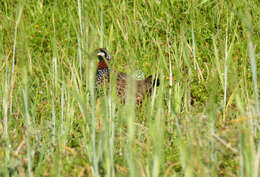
[254, 73]
[27, 122]
[5, 120]
[225, 74]
[19, 15]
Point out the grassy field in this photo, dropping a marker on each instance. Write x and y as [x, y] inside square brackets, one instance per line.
[203, 119]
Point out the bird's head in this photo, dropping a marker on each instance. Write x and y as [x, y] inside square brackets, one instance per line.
[103, 55]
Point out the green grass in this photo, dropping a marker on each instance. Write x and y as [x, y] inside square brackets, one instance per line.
[203, 119]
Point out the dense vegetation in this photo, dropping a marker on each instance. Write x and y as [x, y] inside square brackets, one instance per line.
[203, 119]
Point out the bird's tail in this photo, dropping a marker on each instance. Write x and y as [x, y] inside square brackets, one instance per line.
[154, 83]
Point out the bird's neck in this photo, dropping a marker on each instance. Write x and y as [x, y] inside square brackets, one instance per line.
[102, 65]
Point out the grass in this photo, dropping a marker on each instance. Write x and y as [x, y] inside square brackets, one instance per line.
[203, 119]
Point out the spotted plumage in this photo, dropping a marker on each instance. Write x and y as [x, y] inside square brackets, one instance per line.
[103, 72]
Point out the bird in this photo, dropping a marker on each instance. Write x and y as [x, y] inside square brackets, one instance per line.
[144, 87]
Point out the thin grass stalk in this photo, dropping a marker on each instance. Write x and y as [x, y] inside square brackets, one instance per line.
[247, 19]
[193, 47]
[156, 165]
[225, 76]
[79, 39]
[212, 144]
[184, 158]
[157, 136]
[5, 108]
[242, 160]
[217, 61]
[170, 80]
[112, 133]
[53, 102]
[101, 26]
[256, 164]
[62, 124]
[80, 56]
[53, 120]
[227, 145]
[14, 48]
[157, 126]
[170, 90]
[248, 150]
[61, 132]
[27, 123]
[56, 141]
[254, 72]
[212, 121]
[80, 21]
[157, 75]
[93, 119]
[130, 117]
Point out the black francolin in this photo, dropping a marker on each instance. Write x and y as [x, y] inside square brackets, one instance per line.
[143, 87]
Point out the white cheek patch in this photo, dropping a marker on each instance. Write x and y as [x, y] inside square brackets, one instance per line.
[101, 54]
